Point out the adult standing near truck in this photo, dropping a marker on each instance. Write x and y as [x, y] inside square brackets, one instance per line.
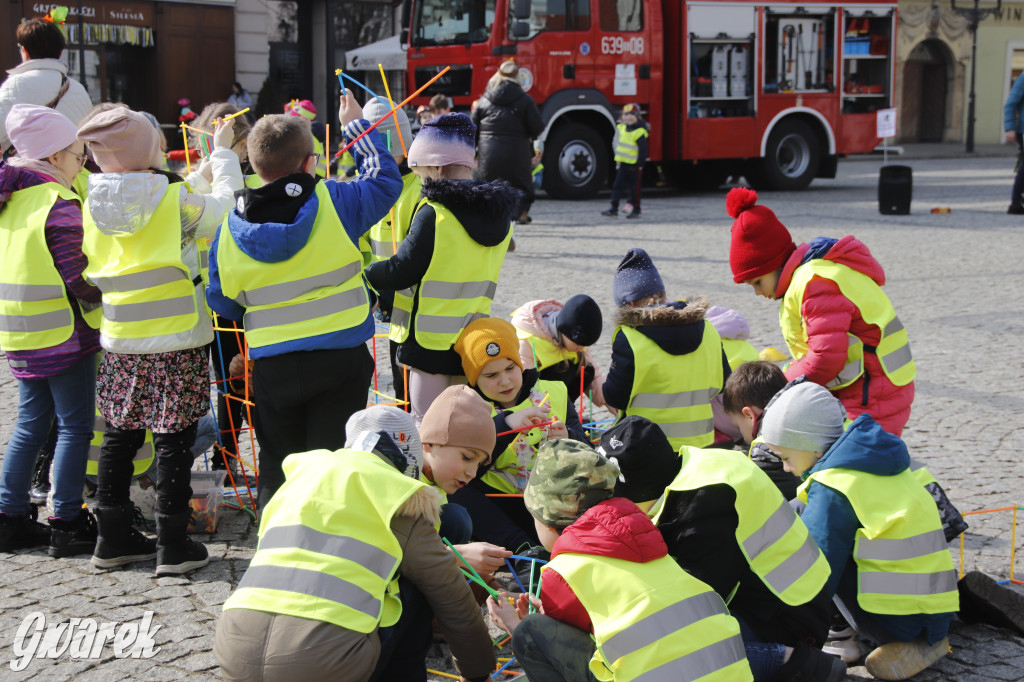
[1013, 124]
[507, 121]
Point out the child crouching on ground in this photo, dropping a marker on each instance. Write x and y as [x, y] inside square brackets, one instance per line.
[490, 359]
[458, 435]
[317, 601]
[554, 339]
[892, 572]
[613, 604]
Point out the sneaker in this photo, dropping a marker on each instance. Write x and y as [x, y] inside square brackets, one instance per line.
[983, 600]
[68, 538]
[176, 553]
[523, 566]
[1015, 210]
[22, 532]
[843, 645]
[610, 213]
[119, 543]
[808, 664]
[901, 660]
[635, 213]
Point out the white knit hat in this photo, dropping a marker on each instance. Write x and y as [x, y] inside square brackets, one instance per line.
[363, 428]
[805, 416]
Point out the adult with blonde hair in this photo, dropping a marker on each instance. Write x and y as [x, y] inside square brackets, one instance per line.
[507, 121]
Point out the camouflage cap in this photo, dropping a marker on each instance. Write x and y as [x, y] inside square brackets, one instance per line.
[568, 478]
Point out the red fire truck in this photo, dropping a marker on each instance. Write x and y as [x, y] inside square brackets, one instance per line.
[776, 92]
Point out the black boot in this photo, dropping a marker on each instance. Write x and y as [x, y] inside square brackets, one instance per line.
[119, 543]
[41, 476]
[77, 536]
[983, 600]
[176, 552]
[807, 664]
[22, 532]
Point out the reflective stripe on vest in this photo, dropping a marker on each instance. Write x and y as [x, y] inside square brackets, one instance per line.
[511, 469]
[653, 621]
[449, 298]
[333, 568]
[318, 290]
[142, 298]
[921, 473]
[774, 540]
[903, 562]
[893, 350]
[140, 462]
[681, 408]
[626, 148]
[35, 310]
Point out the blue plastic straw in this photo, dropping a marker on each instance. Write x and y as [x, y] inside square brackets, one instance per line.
[497, 672]
[518, 581]
[355, 82]
[528, 558]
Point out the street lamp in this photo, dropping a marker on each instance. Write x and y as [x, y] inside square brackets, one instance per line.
[974, 15]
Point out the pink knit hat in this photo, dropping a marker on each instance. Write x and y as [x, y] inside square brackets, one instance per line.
[122, 141]
[37, 132]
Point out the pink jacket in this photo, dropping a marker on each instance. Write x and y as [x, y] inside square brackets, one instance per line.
[828, 316]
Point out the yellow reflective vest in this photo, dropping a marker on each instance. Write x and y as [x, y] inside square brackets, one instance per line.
[317, 291]
[326, 551]
[457, 288]
[626, 148]
[322, 160]
[776, 543]
[904, 565]
[252, 181]
[739, 351]
[140, 462]
[653, 621]
[383, 239]
[893, 349]
[675, 391]
[147, 290]
[35, 308]
[545, 353]
[511, 470]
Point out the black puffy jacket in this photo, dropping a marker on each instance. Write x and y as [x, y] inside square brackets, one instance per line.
[507, 121]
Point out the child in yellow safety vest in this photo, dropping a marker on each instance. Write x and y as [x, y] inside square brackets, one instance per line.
[613, 604]
[490, 358]
[667, 359]
[555, 339]
[349, 572]
[840, 326]
[891, 570]
[629, 147]
[146, 239]
[726, 524]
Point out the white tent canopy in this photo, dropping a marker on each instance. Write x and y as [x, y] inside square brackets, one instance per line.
[387, 52]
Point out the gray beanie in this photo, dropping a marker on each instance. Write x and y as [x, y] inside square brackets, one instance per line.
[805, 416]
[363, 430]
[375, 110]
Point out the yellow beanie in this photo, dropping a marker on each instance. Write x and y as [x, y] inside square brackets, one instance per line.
[483, 340]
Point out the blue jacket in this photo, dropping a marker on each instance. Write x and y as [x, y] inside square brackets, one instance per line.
[359, 204]
[830, 518]
[1013, 111]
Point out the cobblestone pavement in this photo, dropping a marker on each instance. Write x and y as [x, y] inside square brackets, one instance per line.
[954, 278]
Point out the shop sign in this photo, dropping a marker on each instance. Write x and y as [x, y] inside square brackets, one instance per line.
[98, 12]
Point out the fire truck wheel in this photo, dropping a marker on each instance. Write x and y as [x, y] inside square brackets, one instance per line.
[576, 160]
[791, 158]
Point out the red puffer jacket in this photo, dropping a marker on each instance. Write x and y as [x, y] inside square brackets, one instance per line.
[828, 316]
[615, 528]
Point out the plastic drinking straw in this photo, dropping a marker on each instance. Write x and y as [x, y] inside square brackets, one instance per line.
[518, 581]
[526, 428]
[500, 670]
[479, 581]
[391, 103]
[487, 587]
[533, 345]
[533, 565]
[528, 558]
[441, 674]
[237, 113]
[337, 72]
[327, 149]
[184, 137]
[581, 388]
[395, 108]
[353, 81]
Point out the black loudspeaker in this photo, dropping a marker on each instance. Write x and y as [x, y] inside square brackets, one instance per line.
[895, 188]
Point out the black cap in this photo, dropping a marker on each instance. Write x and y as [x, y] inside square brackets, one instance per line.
[580, 320]
[647, 462]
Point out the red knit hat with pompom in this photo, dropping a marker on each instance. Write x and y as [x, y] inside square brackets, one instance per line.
[760, 243]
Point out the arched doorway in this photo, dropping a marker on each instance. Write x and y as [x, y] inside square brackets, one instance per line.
[926, 77]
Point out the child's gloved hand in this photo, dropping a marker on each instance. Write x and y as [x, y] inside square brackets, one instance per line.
[223, 134]
[349, 109]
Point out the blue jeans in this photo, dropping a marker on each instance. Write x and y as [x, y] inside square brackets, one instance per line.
[765, 658]
[71, 396]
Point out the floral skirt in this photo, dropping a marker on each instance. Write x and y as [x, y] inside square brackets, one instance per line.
[162, 392]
